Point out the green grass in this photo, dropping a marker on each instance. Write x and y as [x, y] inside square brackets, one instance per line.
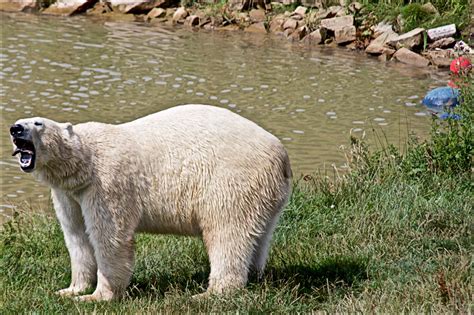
[387, 246]
[413, 14]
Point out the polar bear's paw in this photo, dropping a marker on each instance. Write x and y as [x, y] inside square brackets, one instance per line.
[69, 292]
[95, 297]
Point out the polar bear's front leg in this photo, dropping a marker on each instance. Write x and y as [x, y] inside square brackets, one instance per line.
[114, 251]
[83, 264]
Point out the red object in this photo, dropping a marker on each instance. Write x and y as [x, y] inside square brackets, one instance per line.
[460, 65]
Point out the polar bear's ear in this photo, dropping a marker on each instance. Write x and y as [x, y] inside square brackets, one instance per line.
[68, 127]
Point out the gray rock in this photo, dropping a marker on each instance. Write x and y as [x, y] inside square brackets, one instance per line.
[192, 20]
[300, 11]
[429, 8]
[299, 33]
[19, 5]
[355, 7]
[180, 15]
[335, 23]
[241, 5]
[381, 28]
[313, 3]
[408, 40]
[330, 12]
[290, 24]
[345, 35]
[448, 42]
[156, 13]
[141, 6]
[69, 7]
[409, 57]
[257, 15]
[377, 46]
[258, 27]
[441, 58]
[276, 25]
[315, 37]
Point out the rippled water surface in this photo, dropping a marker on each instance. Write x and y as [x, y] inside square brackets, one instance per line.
[78, 69]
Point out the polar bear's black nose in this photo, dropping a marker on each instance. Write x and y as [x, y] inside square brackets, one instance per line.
[16, 130]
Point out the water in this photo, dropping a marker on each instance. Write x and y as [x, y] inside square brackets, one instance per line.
[78, 69]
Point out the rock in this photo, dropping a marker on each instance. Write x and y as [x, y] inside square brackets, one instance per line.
[299, 33]
[243, 17]
[408, 40]
[257, 15]
[351, 46]
[300, 11]
[100, 8]
[256, 28]
[288, 32]
[276, 25]
[441, 32]
[204, 20]
[290, 24]
[180, 15]
[409, 57]
[381, 28]
[229, 27]
[388, 52]
[69, 7]
[170, 12]
[315, 37]
[345, 34]
[192, 20]
[242, 5]
[448, 42]
[429, 8]
[141, 6]
[330, 12]
[377, 46]
[355, 7]
[383, 58]
[296, 17]
[441, 58]
[335, 23]
[313, 3]
[156, 13]
[19, 5]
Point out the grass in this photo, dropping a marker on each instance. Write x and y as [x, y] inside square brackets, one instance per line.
[415, 15]
[392, 235]
[391, 246]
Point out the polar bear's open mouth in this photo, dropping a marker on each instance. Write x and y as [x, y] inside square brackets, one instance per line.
[27, 151]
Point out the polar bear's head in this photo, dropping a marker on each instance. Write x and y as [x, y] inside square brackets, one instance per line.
[37, 140]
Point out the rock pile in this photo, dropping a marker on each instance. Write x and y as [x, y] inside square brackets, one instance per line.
[315, 25]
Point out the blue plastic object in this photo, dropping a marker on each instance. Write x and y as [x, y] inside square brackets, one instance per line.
[441, 100]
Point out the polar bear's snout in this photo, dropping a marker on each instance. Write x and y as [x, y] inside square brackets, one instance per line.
[17, 130]
[21, 138]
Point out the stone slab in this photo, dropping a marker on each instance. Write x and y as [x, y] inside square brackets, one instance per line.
[69, 7]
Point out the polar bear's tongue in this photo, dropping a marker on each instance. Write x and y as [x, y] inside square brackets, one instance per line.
[25, 159]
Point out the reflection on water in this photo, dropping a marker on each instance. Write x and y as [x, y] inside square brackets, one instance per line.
[77, 70]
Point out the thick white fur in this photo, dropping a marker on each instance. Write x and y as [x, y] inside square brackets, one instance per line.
[190, 170]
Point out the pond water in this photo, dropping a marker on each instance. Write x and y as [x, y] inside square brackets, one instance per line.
[79, 69]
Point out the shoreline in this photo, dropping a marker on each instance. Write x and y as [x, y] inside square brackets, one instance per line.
[349, 26]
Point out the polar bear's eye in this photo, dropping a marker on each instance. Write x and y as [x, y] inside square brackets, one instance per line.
[38, 123]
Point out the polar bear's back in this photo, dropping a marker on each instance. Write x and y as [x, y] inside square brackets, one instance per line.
[201, 120]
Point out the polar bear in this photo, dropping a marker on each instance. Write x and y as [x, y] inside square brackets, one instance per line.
[192, 170]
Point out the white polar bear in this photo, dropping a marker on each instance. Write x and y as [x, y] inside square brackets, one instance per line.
[189, 170]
